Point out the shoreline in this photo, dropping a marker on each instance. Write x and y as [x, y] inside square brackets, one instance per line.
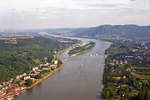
[75, 54]
[11, 97]
[36, 82]
[105, 57]
[45, 77]
[80, 43]
[107, 42]
[78, 53]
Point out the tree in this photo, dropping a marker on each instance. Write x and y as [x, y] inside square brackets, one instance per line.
[147, 95]
[28, 82]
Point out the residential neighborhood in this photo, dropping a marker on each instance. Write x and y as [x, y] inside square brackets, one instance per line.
[15, 86]
[126, 72]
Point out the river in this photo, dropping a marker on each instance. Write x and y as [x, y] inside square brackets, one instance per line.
[79, 79]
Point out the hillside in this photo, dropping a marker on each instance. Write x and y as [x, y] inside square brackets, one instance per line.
[21, 54]
[107, 32]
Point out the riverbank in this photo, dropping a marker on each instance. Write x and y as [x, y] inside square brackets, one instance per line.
[52, 71]
[12, 95]
[45, 77]
[107, 42]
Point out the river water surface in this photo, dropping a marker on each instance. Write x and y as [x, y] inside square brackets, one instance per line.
[79, 79]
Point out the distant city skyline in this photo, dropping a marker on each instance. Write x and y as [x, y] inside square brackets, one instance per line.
[33, 14]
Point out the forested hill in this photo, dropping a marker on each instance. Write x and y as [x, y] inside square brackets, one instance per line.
[21, 54]
[108, 31]
[123, 31]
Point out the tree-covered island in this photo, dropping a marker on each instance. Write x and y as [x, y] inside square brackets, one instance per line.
[80, 49]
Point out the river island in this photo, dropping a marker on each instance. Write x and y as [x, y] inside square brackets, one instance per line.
[79, 49]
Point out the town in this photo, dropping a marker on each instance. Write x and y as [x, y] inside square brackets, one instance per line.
[126, 72]
[27, 80]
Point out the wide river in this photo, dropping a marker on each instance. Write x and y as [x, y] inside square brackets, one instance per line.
[79, 79]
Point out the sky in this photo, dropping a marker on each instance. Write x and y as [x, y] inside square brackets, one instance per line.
[32, 14]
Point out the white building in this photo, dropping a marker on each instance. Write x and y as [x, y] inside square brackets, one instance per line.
[46, 69]
[56, 62]
[53, 67]
[44, 65]
[35, 68]
[20, 76]
[27, 77]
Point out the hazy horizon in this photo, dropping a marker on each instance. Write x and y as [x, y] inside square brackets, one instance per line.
[34, 14]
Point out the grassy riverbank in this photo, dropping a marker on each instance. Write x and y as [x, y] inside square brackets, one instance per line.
[77, 50]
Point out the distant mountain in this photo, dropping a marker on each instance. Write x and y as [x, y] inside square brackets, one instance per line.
[122, 31]
[103, 32]
[17, 33]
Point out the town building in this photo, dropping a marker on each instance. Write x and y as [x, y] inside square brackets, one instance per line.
[27, 77]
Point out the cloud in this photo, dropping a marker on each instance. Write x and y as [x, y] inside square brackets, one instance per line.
[132, 0]
[72, 13]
